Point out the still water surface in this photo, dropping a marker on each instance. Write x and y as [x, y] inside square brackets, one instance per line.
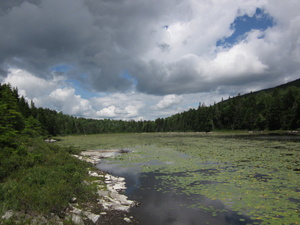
[191, 178]
[163, 204]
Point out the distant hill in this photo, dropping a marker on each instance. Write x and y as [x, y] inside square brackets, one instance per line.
[295, 83]
[268, 109]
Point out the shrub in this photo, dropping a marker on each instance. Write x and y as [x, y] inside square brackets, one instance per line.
[40, 177]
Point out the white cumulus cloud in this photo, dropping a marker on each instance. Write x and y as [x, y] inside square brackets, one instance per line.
[169, 101]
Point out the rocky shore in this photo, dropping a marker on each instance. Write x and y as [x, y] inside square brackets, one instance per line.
[112, 206]
[115, 205]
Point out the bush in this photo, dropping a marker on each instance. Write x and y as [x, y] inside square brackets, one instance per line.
[40, 177]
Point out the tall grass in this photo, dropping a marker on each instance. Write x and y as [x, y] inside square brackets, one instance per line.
[42, 178]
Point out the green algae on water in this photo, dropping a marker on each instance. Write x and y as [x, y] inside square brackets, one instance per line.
[258, 178]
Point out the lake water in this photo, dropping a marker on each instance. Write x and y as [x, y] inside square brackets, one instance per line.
[163, 203]
[184, 179]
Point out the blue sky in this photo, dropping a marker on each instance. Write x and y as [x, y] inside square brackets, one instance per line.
[145, 59]
[243, 24]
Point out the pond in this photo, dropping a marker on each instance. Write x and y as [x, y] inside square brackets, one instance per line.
[163, 203]
[208, 179]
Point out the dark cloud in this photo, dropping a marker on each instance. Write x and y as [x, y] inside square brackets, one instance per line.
[102, 39]
[179, 77]
[6, 6]
[164, 47]
[40, 36]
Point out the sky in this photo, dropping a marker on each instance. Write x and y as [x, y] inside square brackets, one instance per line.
[142, 60]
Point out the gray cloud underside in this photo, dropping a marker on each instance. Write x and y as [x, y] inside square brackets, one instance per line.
[167, 47]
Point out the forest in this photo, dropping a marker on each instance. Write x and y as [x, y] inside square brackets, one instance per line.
[271, 109]
[36, 178]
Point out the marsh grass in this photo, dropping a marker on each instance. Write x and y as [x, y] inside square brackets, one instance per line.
[42, 179]
[254, 175]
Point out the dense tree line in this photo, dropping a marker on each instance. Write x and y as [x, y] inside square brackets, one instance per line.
[272, 109]
[17, 116]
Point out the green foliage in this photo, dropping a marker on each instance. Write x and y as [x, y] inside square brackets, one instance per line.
[35, 176]
[11, 120]
[272, 109]
[33, 127]
[41, 178]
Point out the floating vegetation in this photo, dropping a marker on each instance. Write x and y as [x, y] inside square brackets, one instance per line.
[257, 178]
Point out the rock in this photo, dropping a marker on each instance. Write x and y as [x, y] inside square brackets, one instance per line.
[73, 200]
[50, 140]
[91, 216]
[77, 219]
[95, 156]
[76, 211]
[102, 193]
[124, 208]
[119, 186]
[21, 217]
[8, 214]
[39, 220]
[108, 190]
[127, 220]
[120, 179]
[94, 174]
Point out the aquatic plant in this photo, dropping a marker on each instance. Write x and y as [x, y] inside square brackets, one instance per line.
[254, 176]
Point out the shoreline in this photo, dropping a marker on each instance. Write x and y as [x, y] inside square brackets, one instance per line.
[115, 205]
[109, 206]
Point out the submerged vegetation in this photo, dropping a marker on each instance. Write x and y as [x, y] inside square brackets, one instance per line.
[256, 176]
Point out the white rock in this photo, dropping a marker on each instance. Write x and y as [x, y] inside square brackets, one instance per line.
[102, 193]
[124, 208]
[120, 179]
[109, 197]
[94, 174]
[91, 216]
[8, 214]
[76, 211]
[77, 219]
[73, 200]
[119, 186]
[123, 199]
[127, 220]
